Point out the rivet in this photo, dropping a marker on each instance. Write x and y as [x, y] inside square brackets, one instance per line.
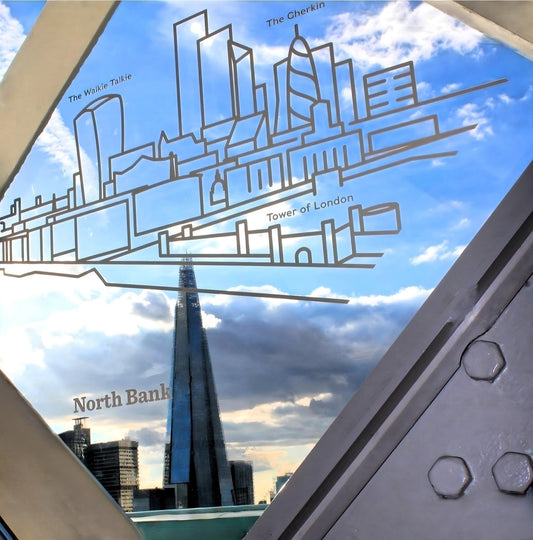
[483, 360]
[449, 477]
[513, 473]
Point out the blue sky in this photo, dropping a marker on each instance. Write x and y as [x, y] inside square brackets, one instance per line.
[283, 369]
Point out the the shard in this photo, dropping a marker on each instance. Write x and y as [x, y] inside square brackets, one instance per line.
[196, 459]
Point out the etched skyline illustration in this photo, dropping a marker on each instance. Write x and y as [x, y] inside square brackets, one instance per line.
[317, 111]
[190, 195]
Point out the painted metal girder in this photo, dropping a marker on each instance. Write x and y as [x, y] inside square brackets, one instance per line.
[508, 22]
[45, 492]
[438, 441]
[42, 70]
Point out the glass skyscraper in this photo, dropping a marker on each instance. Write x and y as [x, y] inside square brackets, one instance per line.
[197, 462]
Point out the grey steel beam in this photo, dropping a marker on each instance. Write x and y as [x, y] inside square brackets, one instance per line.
[509, 21]
[46, 63]
[45, 491]
[39, 477]
[331, 493]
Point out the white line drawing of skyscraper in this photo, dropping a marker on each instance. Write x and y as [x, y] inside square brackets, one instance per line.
[186, 35]
[303, 90]
[99, 131]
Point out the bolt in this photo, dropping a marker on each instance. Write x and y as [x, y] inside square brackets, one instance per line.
[483, 360]
[449, 477]
[513, 473]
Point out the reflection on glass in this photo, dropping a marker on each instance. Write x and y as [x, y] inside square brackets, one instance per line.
[312, 172]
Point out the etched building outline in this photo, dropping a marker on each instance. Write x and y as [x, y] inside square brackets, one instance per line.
[234, 153]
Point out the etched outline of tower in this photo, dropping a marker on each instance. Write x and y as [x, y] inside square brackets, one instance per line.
[197, 462]
[99, 132]
[303, 90]
[186, 35]
[213, 60]
[310, 77]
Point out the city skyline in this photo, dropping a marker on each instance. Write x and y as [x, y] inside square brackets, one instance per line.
[115, 464]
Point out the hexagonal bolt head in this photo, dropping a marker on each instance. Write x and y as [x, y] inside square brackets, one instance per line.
[513, 473]
[449, 476]
[483, 360]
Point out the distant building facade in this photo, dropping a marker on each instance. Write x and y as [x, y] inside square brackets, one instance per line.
[195, 460]
[281, 481]
[154, 499]
[77, 439]
[115, 465]
[243, 482]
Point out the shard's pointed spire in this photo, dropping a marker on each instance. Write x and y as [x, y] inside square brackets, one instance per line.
[197, 460]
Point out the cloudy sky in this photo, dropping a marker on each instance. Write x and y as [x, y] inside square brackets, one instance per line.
[283, 369]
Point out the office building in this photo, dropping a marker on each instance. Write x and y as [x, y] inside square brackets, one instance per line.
[243, 482]
[77, 439]
[154, 499]
[115, 465]
[281, 481]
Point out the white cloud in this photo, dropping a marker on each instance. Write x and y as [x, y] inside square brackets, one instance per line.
[452, 87]
[528, 95]
[265, 412]
[307, 359]
[12, 37]
[104, 315]
[430, 254]
[424, 90]
[268, 55]
[505, 98]
[404, 295]
[49, 313]
[270, 303]
[457, 251]
[437, 163]
[347, 96]
[17, 353]
[439, 252]
[37, 286]
[260, 219]
[445, 207]
[462, 224]
[209, 320]
[509, 100]
[215, 244]
[197, 30]
[415, 115]
[491, 103]
[471, 114]
[56, 140]
[398, 33]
